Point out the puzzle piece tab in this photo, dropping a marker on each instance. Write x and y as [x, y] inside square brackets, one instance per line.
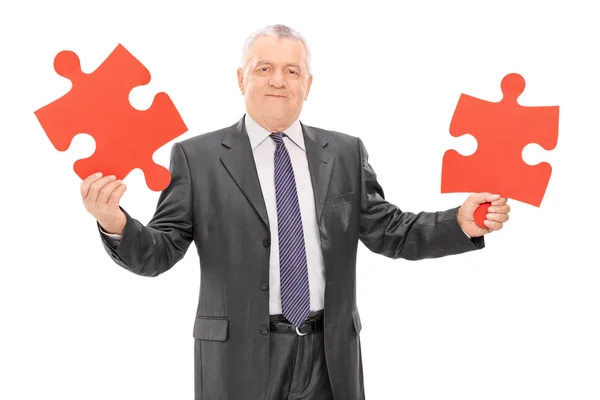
[502, 129]
[98, 105]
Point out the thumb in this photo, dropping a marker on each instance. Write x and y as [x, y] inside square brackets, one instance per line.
[480, 198]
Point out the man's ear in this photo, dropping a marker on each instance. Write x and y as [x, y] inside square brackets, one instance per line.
[308, 84]
[240, 75]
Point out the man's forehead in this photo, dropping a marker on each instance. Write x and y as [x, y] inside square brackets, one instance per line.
[286, 63]
[273, 41]
[277, 49]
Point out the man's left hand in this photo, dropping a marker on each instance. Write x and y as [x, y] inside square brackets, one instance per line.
[495, 219]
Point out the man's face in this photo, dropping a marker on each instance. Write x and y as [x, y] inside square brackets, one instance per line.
[275, 81]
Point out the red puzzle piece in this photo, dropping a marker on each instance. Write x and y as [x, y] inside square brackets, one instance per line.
[502, 130]
[98, 104]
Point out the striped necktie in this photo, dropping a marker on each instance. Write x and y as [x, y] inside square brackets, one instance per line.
[295, 295]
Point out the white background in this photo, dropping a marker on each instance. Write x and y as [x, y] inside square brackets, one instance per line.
[518, 320]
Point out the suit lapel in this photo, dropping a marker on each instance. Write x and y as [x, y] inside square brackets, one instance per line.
[240, 164]
[240, 157]
[320, 164]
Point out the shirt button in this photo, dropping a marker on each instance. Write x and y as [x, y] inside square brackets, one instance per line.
[264, 286]
[266, 243]
[264, 330]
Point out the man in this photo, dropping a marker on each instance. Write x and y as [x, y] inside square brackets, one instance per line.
[276, 209]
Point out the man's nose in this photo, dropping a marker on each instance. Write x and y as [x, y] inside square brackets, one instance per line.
[277, 80]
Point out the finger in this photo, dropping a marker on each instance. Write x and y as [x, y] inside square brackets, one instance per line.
[505, 209]
[500, 202]
[107, 190]
[115, 196]
[484, 197]
[95, 188]
[493, 225]
[497, 217]
[87, 182]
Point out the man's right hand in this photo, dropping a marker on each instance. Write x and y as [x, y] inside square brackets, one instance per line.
[101, 196]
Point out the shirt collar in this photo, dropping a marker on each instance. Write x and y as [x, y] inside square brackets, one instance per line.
[258, 134]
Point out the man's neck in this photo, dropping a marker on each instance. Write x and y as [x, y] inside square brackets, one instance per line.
[272, 125]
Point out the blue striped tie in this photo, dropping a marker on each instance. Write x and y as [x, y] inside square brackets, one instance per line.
[295, 295]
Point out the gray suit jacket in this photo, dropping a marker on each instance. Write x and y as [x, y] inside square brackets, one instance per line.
[215, 199]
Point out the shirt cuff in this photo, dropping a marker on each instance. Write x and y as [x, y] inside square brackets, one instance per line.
[465, 233]
[113, 239]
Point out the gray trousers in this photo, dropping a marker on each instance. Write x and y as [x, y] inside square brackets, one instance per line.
[297, 366]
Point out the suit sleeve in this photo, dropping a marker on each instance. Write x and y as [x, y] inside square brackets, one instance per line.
[387, 230]
[112, 239]
[153, 249]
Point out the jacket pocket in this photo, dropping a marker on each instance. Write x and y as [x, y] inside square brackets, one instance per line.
[211, 328]
[342, 199]
[356, 321]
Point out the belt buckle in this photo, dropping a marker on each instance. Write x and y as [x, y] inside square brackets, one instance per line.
[300, 333]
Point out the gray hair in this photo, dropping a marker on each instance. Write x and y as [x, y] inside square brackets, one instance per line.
[280, 32]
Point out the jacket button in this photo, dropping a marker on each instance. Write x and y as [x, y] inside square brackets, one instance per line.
[264, 330]
[264, 286]
[266, 243]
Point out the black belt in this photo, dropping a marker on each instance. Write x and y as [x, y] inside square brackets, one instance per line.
[311, 325]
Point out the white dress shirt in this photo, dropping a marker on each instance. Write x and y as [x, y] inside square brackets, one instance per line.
[263, 149]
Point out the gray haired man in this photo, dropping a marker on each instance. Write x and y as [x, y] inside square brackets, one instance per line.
[276, 209]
